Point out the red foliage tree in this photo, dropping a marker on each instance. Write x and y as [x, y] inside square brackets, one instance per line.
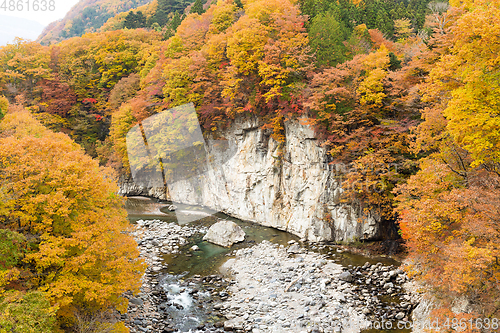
[58, 96]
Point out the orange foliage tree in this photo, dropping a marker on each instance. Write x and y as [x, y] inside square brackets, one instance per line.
[362, 109]
[228, 61]
[450, 209]
[94, 63]
[80, 255]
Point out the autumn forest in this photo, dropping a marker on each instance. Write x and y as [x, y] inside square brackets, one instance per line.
[406, 93]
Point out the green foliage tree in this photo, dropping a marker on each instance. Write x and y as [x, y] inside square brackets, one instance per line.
[29, 312]
[197, 7]
[173, 24]
[165, 8]
[375, 14]
[134, 20]
[4, 106]
[12, 251]
[326, 37]
[11, 248]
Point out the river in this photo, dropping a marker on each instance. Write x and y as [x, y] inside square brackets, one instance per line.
[186, 276]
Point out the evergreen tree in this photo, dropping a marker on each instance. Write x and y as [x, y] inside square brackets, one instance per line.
[176, 21]
[140, 19]
[173, 24]
[164, 8]
[326, 36]
[238, 3]
[130, 21]
[197, 7]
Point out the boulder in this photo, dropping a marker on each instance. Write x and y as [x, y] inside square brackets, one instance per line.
[234, 324]
[225, 233]
[226, 267]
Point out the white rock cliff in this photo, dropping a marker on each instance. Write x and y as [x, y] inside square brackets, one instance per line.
[299, 193]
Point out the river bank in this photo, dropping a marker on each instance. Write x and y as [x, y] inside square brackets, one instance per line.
[293, 289]
[266, 286]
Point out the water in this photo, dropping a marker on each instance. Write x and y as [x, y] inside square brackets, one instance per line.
[187, 264]
[180, 304]
[141, 208]
[211, 256]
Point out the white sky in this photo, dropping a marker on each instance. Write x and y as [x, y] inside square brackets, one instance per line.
[46, 17]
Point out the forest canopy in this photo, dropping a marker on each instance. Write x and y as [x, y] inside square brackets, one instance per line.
[64, 248]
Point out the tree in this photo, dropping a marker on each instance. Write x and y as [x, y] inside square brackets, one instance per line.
[124, 90]
[12, 251]
[23, 64]
[165, 7]
[449, 209]
[440, 15]
[359, 111]
[134, 20]
[66, 204]
[58, 96]
[175, 21]
[26, 312]
[94, 63]
[402, 29]
[121, 122]
[197, 7]
[326, 37]
[4, 106]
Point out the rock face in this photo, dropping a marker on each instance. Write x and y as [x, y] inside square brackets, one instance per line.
[225, 233]
[129, 188]
[298, 192]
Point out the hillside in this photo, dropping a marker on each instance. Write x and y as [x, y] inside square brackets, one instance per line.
[86, 16]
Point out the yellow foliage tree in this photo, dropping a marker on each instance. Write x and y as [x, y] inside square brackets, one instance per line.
[371, 88]
[25, 63]
[4, 106]
[68, 206]
[449, 209]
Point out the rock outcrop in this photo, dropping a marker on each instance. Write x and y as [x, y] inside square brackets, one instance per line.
[297, 192]
[225, 233]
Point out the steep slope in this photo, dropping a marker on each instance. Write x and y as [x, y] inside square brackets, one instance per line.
[86, 16]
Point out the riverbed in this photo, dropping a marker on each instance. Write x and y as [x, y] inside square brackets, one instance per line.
[271, 282]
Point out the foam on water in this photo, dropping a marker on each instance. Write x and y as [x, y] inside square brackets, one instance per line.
[180, 303]
[179, 297]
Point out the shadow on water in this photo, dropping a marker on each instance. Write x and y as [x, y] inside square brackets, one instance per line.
[210, 257]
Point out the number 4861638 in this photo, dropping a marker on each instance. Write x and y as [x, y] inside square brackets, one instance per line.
[28, 5]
